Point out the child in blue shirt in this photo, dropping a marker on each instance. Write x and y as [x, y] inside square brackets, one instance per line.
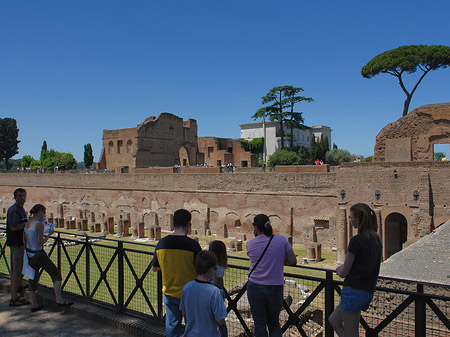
[201, 302]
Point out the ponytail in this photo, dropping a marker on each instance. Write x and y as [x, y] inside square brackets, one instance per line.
[262, 222]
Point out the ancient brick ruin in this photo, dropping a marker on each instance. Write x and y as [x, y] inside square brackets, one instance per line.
[166, 141]
[411, 138]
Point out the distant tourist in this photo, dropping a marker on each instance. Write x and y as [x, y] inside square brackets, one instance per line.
[317, 162]
[268, 253]
[360, 270]
[201, 302]
[175, 256]
[37, 258]
[16, 217]
[220, 251]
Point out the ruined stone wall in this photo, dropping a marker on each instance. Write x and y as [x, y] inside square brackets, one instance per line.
[227, 202]
[396, 183]
[215, 149]
[159, 141]
[221, 202]
[411, 138]
[118, 149]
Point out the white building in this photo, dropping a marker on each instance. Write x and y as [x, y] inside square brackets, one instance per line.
[250, 131]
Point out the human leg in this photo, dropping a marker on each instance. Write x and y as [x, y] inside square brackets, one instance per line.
[16, 270]
[55, 274]
[351, 323]
[274, 304]
[345, 318]
[173, 316]
[336, 321]
[256, 294]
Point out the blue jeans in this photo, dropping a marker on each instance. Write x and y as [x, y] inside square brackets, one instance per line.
[173, 316]
[265, 305]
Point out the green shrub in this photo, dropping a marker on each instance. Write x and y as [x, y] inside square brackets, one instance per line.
[336, 157]
[284, 157]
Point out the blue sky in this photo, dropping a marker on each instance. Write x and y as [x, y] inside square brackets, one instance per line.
[69, 69]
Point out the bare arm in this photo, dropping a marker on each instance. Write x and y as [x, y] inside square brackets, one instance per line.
[221, 322]
[40, 234]
[290, 258]
[343, 270]
[156, 268]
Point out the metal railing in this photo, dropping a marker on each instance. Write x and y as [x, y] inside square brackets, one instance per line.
[118, 274]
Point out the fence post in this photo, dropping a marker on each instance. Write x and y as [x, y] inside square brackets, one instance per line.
[58, 250]
[88, 268]
[329, 302]
[419, 313]
[160, 294]
[120, 275]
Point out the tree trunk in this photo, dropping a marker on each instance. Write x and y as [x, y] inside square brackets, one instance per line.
[292, 137]
[406, 105]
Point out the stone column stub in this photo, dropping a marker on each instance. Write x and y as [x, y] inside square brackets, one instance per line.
[342, 235]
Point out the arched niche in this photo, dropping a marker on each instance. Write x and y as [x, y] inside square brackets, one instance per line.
[396, 233]
[184, 157]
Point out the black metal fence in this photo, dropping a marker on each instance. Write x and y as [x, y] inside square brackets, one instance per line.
[118, 274]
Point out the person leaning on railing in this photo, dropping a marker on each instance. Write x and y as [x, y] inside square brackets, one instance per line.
[37, 258]
[360, 270]
[267, 253]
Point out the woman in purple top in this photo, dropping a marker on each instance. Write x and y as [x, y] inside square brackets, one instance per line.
[360, 270]
[265, 283]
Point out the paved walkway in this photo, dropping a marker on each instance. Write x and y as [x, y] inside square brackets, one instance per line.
[20, 321]
[81, 319]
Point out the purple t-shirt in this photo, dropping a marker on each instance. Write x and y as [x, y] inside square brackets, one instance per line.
[270, 269]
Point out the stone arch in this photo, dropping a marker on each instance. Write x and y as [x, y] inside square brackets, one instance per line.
[184, 156]
[276, 223]
[110, 147]
[396, 233]
[129, 145]
[196, 220]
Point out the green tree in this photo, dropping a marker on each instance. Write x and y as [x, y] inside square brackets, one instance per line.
[407, 59]
[305, 156]
[324, 147]
[88, 156]
[282, 100]
[35, 164]
[43, 152]
[438, 156]
[9, 145]
[294, 120]
[336, 157]
[64, 161]
[283, 157]
[26, 161]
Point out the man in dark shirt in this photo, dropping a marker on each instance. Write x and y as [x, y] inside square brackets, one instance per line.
[15, 221]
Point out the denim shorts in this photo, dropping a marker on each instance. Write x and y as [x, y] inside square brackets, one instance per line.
[354, 300]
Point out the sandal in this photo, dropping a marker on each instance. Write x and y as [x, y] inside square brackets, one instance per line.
[65, 303]
[18, 302]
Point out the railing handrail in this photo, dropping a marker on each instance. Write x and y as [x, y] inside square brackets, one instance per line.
[113, 269]
[387, 278]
